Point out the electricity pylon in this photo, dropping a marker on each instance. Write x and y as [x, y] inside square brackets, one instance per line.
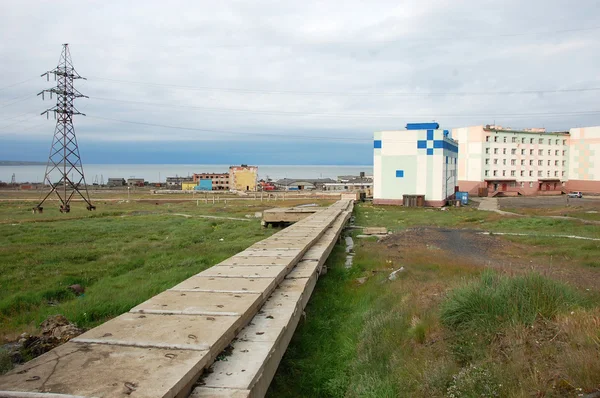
[64, 170]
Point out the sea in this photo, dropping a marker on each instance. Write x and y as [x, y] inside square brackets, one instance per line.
[96, 173]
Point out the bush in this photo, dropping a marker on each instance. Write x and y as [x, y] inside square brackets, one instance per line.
[5, 362]
[493, 301]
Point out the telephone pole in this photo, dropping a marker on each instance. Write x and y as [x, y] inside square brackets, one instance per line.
[64, 159]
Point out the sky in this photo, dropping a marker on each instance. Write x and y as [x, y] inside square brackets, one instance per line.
[291, 82]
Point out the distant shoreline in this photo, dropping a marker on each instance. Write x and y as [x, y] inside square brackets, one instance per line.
[20, 163]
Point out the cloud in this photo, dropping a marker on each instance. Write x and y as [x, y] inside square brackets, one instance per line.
[271, 69]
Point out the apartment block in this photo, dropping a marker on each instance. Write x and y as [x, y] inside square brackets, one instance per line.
[507, 162]
[498, 161]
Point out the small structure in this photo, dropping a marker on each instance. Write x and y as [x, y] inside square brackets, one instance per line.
[175, 182]
[286, 215]
[116, 182]
[420, 160]
[243, 178]
[188, 185]
[135, 182]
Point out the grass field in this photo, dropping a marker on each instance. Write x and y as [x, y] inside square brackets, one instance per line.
[448, 327]
[122, 254]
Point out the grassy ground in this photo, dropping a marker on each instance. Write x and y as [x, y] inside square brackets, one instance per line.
[448, 326]
[121, 254]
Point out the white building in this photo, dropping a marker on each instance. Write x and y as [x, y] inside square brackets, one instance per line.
[506, 162]
[420, 160]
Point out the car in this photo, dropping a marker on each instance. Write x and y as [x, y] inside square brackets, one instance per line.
[575, 195]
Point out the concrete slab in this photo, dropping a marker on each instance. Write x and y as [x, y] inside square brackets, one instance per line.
[226, 285]
[304, 269]
[199, 303]
[261, 261]
[183, 332]
[245, 271]
[95, 370]
[242, 366]
[206, 392]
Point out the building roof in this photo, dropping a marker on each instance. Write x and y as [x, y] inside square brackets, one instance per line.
[292, 181]
[536, 131]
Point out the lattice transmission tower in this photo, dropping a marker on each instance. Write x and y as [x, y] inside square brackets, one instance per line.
[64, 170]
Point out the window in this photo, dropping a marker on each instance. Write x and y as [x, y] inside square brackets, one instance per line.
[522, 184]
[512, 173]
[522, 151]
[513, 151]
[549, 152]
[522, 162]
[557, 141]
[495, 151]
[495, 161]
[513, 162]
[540, 163]
[523, 140]
[495, 173]
[503, 173]
[564, 152]
[549, 141]
[487, 151]
[539, 173]
[495, 138]
[531, 151]
[556, 152]
[564, 142]
[563, 162]
[563, 173]
[531, 162]
[531, 140]
[504, 151]
[487, 138]
[487, 172]
[540, 152]
[556, 162]
[549, 163]
[531, 185]
[514, 139]
[548, 173]
[503, 139]
[522, 173]
[541, 141]
[556, 174]
[504, 162]
[530, 173]
[487, 161]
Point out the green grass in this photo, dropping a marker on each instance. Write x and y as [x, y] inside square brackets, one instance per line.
[121, 260]
[494, 301]
[444, 328]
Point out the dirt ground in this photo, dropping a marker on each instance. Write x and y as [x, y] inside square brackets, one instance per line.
[534, 202]
[470, 247]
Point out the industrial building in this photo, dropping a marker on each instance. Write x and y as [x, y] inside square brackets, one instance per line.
[292, 184]
[243, 178]
[116, 182]
[176, 182]
[419, 161]
[218, 181]
[135, 182]
[497, 161]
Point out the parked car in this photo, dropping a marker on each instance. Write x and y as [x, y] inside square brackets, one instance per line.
[575, 195]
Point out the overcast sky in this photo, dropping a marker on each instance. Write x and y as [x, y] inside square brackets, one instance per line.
[281, 74]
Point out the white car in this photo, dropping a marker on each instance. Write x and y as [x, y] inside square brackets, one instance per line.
[575, 195]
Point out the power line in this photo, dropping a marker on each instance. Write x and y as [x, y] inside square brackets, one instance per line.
[346, 93]
[228, 132]
[16, 84]
[352, 115]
